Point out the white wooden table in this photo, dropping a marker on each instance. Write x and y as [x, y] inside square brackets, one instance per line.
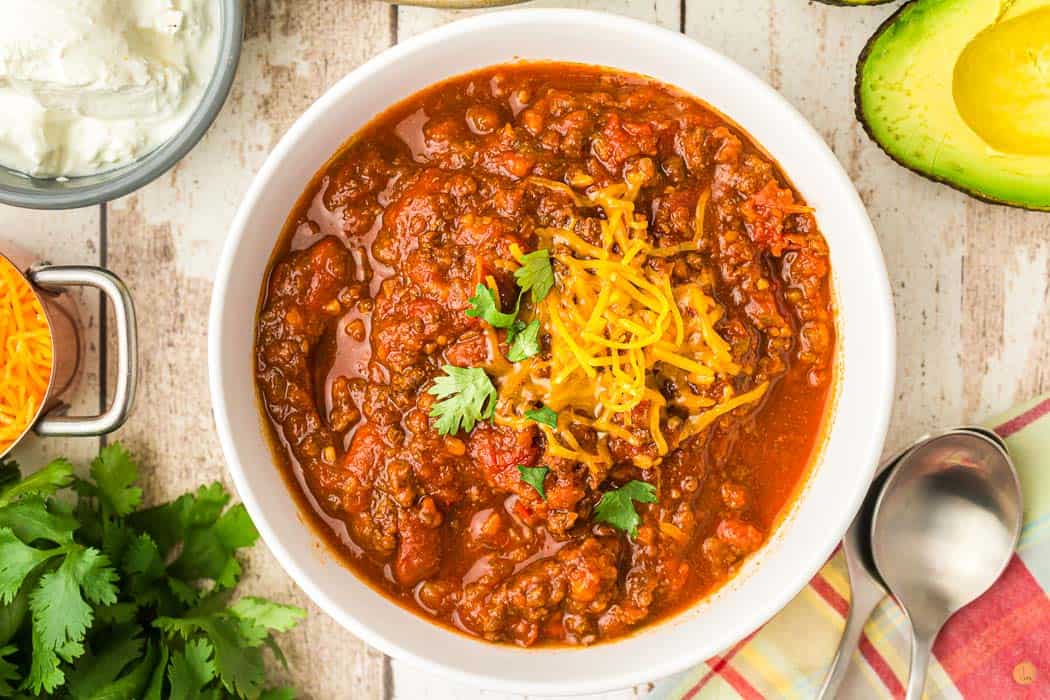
[969, 279]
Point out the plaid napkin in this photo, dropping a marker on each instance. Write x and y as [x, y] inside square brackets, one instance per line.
[997, 648]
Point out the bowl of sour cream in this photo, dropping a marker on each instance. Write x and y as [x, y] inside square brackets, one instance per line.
[100, 97]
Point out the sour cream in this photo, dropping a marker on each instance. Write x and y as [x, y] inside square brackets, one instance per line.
[90, 85]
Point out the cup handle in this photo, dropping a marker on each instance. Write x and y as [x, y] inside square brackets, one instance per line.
[60, 276]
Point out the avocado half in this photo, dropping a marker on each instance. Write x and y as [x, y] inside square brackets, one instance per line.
[959, 91]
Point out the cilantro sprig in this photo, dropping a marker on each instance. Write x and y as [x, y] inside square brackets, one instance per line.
[485, 305]
[617, 506]
[100, 598]
[544, 415]
[467, 396]
[536, 275]
[534, 476]
[525, 343]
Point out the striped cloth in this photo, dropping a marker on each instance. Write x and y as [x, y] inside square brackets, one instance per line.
[997, 648]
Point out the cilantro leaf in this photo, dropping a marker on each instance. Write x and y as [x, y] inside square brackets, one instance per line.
[58, 474]
[61, 617]
[142, 557]
[536, 274]
[209, 552]
[526, 343]
[8, 672]
[238, 664]
[468, 396]
[32, 518]
[534, 476]
[116, 614]
[258, 616]
[17, 561]
[13, 614]
[131, 685]
[167, 524]
[183, 592]
[617, 506]
[95, 672]
[114, 472]
[191, 669]
[517, 327]
[155, 687]
[209, 539]
[235, 528]
[543, 415]
[485, 305]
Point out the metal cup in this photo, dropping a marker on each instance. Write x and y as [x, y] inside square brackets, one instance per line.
[50, 284]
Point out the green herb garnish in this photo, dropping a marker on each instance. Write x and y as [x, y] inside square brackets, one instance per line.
[525, 343]
[517, 327]
[534, 476]
[485, 305]
[102, 599]
[617, 506]
[543, 415]
[536, 274]
[468, 396]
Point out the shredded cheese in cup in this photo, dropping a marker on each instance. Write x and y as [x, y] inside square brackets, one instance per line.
[26, 355]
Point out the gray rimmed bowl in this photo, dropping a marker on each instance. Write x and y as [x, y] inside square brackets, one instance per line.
[21, 190]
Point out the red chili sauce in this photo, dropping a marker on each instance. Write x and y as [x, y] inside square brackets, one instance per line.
[365, 304]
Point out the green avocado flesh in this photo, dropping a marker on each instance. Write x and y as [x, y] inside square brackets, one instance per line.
[959, 91]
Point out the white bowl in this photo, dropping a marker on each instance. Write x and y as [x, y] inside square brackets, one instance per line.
[855, 433]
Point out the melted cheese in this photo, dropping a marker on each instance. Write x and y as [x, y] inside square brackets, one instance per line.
[617, 323]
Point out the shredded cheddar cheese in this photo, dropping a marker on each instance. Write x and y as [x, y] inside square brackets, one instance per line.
[25, 355]
[619, 325]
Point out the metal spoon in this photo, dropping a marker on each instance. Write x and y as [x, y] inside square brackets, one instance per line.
[943, 530]
[867, 588]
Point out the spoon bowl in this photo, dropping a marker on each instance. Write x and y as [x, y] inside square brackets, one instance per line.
[943, 530]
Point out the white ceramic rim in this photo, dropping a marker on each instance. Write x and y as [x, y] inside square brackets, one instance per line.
[877, 380]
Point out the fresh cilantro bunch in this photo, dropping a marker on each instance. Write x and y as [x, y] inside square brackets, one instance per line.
[102, 600]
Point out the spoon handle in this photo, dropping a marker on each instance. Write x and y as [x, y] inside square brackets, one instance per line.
[864, 598]
[921, 650]
[865, 595]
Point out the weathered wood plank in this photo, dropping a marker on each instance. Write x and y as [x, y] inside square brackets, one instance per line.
[165, 240]
[411, 684]
[1005, 343]
[413, 20]
[63, 238]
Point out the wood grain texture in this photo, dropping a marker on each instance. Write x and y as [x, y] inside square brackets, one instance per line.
[969, 279]
[667, 13]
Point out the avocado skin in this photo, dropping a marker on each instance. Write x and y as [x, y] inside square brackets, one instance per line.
[861, 117]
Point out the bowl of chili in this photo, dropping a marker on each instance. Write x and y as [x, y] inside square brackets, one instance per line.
[744, 352]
